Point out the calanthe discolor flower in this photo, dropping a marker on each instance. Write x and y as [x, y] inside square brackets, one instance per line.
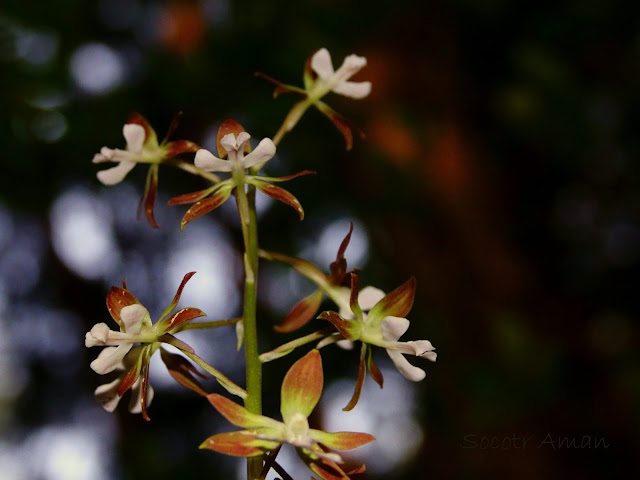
[130, 348]
[301, 390]
[142, 147]
[235, 157]
[376, 319]
[320, 79]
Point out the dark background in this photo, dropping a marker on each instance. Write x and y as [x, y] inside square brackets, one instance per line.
[499, 167]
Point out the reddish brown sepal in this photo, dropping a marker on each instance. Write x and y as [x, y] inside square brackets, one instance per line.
[359, 380]
[205, 206]
[117, 299]
[182, 372]
[138, 119]
[181, 146]
[301, 313]
[323, 467]
[227, 127]
[339, 266]
[148, 199]
[373, 369]
[397, 303]
[237, 444]
[176, 297]
[183, 315]
[145, 382]
[353, 299]
[189, 197]
[288, 177]
[128, 380]
[280, 87]
[345, 127]
[173, 125]
[345, 327]
[281, 195]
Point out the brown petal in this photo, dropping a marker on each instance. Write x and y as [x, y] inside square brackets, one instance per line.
[302, 386]
[182, 316]
[280, 87]
[227, 127]
[190, 197]
[128, 380]
[181, 146]
[149, 197]
[205, 206]
[176, 297]
[138, 119]
[182, 371]
[359, 380]
[339, 267]
[146, 356]
[353, 300]
[342, 124]
[173, 125]
[281, 195]
[349, 329]
[239, 444]
[374, 371]
[397, 303]
[301, 313]
[117, 299]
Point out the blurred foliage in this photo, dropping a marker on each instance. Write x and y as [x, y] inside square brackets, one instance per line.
[500, 167]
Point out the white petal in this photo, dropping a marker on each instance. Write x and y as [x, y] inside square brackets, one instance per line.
[116, 174]
[241, 139]
[228, 142]
[353, 89]
[393, 328]
[205, 160]
[133, 317]
[351, 65]
[369, 296]
[411, 372]
[265, 150]
[345, 344]
[136, 392]
[99, 158]
[107, 395]
[109, 358]
[97, 335]
[321, 64]
[134, 134]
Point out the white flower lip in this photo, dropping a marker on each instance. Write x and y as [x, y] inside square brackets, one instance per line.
[234, 146]
[135, 136]
[337, 81]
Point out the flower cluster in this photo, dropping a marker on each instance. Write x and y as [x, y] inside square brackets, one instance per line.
[368, 316]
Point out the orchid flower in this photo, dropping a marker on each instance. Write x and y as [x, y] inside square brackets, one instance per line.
[142, 147]
[301, 390]
[376, 319]
[319, 79]
[130, 349]
[235, 156]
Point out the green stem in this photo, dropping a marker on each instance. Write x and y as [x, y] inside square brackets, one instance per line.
[287, 348]
[216, 324]
[248, 220]
[292, 119]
